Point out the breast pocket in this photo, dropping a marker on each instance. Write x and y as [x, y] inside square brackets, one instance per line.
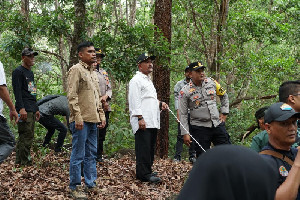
[85, 83]
[195, 101]
[210, 93]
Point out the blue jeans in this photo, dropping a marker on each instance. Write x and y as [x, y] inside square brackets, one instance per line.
[84, 149]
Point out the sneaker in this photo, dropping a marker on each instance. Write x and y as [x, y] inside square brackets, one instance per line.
[154, 173]
[94, 190]
[154, 179]
[100, 160]
[57, 149]
[193, 160]
[78, 193]
[176, 160]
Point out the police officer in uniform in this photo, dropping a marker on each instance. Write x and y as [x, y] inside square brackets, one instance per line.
[178, 147]
[106, 92]
[199, 96]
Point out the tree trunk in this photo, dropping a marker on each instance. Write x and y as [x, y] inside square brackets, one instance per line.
[62, 53]
[132, 13]
[161, 73]
[25, 9]
[79, 30]
[212, 43]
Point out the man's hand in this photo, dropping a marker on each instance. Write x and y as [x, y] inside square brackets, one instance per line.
[105, 106]
[164, 106]
[223, 117]
[23, 114]
[13, 115]
[104, 98]
[37, 116]
[142, 124]
[79, 125]
[187, 140]
[177, 116]
[101, 125]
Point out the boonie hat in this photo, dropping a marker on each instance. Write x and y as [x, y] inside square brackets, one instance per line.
[143, 57]
[196, 65]
[99, 52]
[28, 51]
[280, 112]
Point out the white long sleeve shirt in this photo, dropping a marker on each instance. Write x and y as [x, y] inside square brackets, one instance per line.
[143, 101]
[2, 82]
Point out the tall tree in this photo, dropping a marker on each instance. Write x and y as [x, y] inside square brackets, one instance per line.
[161, 73]
[79, 29]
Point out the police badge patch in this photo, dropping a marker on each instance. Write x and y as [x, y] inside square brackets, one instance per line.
[283, 171]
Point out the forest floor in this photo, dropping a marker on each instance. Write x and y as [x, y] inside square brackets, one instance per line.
[48, 178]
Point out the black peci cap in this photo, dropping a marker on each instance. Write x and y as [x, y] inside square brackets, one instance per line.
[143, 57]
[196, 65]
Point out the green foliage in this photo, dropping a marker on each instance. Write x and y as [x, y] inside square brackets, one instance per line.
[119, 133]
[260, 50]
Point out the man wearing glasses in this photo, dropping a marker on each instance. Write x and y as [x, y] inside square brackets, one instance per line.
[289, 93]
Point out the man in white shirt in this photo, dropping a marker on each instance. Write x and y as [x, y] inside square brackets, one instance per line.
[144, 110]
[7, 139]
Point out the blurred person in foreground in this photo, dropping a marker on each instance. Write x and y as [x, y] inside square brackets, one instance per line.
[230, 172]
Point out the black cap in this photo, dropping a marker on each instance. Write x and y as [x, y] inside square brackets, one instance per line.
[261, 112]
[28, 52]
[186, 68]
[196, 65]
[99, 52]
[143, 57]
[280, 112]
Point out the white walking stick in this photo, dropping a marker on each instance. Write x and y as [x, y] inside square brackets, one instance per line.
[186, 130]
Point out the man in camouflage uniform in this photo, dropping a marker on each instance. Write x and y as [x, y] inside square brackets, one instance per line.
[199, 96]
[106, 92]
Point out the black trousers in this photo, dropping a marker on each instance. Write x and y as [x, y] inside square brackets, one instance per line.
[101, 136]
[144, 150]
[52, 124]
[205, 136]
[179, 146]
[7, 140]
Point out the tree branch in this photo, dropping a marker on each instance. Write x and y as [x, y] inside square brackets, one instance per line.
[237, 101]
[54, 54]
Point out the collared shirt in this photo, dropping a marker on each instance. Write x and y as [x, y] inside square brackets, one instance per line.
[201, 101]
[84, 94]
[2, 82]
[104, 84]
[143, 101]
[179, 85]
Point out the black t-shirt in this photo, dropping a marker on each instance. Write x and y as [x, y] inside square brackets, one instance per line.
[24, 89]
[279, 165]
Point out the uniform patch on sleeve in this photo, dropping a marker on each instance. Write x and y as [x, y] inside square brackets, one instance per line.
[220, 91]
[181, 93]
[283, 171]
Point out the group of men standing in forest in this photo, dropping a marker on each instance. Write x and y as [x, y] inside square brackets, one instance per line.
[88, 94]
